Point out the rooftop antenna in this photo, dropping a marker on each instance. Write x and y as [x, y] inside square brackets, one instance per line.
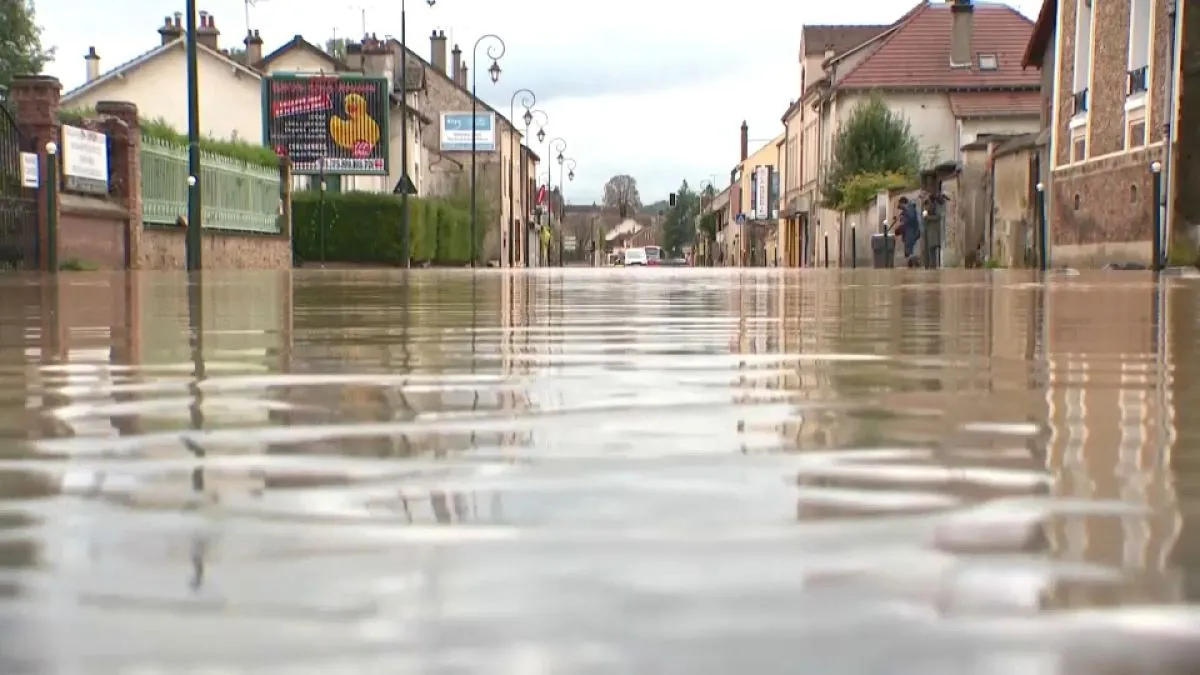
[248, 4]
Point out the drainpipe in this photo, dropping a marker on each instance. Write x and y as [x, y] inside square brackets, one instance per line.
[1175, 19]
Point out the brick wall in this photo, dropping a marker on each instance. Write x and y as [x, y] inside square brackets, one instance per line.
[106, 230]
[1104, 201]
[1065, 36]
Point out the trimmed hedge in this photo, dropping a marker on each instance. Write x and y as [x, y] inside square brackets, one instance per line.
[364, 227]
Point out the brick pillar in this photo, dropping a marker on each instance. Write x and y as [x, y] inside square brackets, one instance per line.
[119, 121]
[35, 98]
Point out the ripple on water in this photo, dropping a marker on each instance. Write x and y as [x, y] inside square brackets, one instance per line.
[590, 471]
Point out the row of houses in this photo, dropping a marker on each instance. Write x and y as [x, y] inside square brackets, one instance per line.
[232, 101]
[1061, 125]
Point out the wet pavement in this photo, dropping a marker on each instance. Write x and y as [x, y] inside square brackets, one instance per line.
[599, 471]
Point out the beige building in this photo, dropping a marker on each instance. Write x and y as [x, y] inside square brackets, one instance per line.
[755, 205]
[953, 70]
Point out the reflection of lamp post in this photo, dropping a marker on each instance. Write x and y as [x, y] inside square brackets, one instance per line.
[563, 162]
[195, 215]
[51, 211]
[494, 52]
[405, 180]
[528, 99]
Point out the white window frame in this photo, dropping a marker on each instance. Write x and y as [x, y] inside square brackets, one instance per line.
[1140, 51]
[1083, 50]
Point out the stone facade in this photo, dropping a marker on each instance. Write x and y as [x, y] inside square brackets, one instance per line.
[107, 231]
[1101, 204]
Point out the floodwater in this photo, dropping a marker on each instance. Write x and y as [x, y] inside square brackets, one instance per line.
[599, 471]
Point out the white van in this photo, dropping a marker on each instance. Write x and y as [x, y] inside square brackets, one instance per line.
[635, 256]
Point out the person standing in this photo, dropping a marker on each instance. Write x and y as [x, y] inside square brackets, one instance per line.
[908, 228]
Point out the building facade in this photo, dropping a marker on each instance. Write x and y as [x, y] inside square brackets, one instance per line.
[953, 70]
[1115, 76]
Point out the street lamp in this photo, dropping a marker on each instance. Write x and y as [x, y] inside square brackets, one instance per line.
[51, 208]
[528, 99]
[494, 52]
[405, 180]
[563, 162]
[193, 240]
[530, 117]
[556, 145]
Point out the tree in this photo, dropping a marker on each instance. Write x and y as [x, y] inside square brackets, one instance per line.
[873, 141]
[336, 47]
[621, 193]
[21, 51]
[679, 227]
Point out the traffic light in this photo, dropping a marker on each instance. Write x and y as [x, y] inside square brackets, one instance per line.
[672, 199]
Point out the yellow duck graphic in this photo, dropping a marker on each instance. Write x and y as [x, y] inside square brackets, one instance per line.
[357, 132]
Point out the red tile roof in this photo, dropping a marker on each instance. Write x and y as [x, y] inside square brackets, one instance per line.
[1043, 32]
[917, 54]
[995, 103]
[818, 39]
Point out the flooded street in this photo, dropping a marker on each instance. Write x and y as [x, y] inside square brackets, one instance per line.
[599, 471]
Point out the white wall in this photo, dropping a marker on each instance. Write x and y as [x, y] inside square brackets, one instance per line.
[230, 97]
[1025, 124]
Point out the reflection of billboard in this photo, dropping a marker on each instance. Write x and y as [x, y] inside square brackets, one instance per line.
[336, 123]
[455, 132]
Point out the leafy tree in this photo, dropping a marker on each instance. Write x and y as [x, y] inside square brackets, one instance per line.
[336, 47]
[21, 51]
[873, 141]
[679, 226]
[621, 193]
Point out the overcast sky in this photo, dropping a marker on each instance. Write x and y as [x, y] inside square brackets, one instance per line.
[653, 88]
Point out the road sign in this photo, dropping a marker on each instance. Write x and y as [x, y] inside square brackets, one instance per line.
[741, 219]
[569, 242]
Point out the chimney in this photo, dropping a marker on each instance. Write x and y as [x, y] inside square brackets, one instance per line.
[171, 31]
[206, 31]
[378, 59]
[462, 77]
[745, 140]
[92, 60]
[455, 64]
[437, 43]
[253, 44]
[962, 24]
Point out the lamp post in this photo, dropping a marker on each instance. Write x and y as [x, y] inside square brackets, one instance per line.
[529, 198]
[51, 208]
[405, 179]
[528, 99]
[544, 241]
[1157, 249]
[494, 52]
[194, 211]
[556, 145]
[563, 162]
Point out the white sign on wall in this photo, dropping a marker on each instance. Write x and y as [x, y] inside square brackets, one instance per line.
[762, 195]
[456, 132]
[84, 160]
[30, 177]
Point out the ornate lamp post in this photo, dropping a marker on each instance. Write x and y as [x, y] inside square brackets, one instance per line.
[494, 52]
[405, 179]
[563, 162]
[528, 99]
[530, 196]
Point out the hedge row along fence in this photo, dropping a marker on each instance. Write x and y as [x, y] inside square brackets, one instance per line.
[364, 227]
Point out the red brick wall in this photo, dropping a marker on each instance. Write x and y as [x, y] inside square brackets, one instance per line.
[92, 231]
[1115, 200]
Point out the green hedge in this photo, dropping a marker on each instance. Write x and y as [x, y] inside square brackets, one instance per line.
[364, 227]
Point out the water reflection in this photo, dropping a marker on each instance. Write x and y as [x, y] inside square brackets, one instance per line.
[596, 471]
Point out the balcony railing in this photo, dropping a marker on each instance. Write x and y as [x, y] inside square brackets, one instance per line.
[1136, 80]
[1079, 102]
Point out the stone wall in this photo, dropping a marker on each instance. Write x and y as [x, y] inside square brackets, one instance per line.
[1015, 222]
[106, 231]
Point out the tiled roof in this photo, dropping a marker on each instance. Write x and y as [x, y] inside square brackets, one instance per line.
[1043, 32]
[818, 39]
[965, 104]
[917, 54]
[298, 42]
[146, 57]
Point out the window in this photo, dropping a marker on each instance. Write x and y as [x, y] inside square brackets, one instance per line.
[988, 62]
[1083, 54]
[1136, 80]
[1079, 145]
[1135, 132]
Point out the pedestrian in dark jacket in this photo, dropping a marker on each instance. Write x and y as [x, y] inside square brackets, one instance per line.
[908, 228]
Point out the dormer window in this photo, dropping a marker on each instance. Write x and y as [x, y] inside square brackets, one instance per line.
[989, 62]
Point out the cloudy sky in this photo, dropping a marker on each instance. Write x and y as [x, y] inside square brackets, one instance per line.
[653, 88]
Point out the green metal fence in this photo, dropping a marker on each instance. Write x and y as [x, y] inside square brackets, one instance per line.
[236, 196]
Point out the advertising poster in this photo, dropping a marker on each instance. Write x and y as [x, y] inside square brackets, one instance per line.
[337, 124]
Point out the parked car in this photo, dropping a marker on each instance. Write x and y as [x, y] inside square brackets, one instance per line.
[654, 255]
[636, 256]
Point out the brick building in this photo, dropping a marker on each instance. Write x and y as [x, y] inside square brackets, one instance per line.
[1111, 72]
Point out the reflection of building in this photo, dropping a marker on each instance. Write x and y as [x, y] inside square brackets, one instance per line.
[1111, 433]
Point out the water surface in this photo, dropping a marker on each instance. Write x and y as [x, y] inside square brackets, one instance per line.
[599, 471]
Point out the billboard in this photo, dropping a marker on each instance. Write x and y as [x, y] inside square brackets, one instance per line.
[455, 132]
[762, 193]
[335, 122]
